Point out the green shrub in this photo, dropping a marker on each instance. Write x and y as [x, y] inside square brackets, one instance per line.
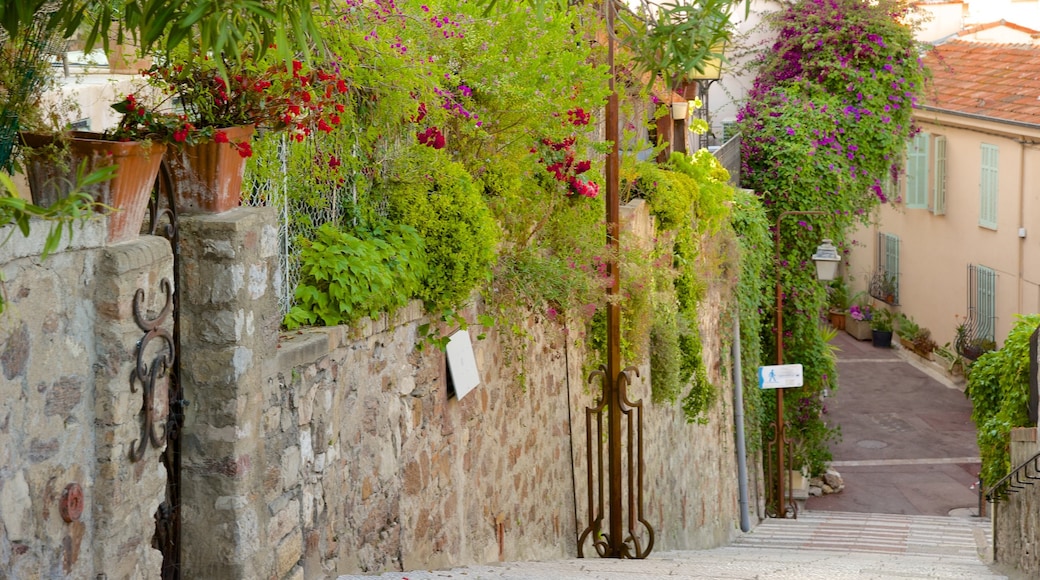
[998, 386]
[442, 202]
[343, 277]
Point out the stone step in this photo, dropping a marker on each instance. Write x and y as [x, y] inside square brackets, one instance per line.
[948, 537]
[816, 546]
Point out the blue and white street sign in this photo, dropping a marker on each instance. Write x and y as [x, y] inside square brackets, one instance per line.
[779, 376]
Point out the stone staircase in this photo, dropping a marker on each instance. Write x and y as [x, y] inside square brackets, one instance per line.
[931, 536]
[816, 546]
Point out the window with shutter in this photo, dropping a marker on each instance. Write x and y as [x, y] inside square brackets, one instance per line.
[917, 171]
[986, 299]
[939, 181]
[988, 187]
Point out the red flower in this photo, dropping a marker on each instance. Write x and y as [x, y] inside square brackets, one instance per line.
[220, 137]
[245, 149]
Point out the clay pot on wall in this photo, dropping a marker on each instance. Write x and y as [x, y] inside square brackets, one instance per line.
[207, 178]
[127, 193]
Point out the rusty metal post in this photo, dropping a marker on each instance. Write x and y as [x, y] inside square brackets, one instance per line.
[613, 305]
[616, 541]
[781, 438]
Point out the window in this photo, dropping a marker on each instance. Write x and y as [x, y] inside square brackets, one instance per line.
[988, 187]
[917, 171]
[939, 183]
[884, 284]
[986, 301]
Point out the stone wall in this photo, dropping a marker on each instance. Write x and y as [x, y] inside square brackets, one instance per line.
[313, 453]
[1016, 520]
[68, 414]
[369, 465]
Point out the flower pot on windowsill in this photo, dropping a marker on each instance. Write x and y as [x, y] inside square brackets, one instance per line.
[882, 338]
[207, 177]
[127, 193]
[858, 329]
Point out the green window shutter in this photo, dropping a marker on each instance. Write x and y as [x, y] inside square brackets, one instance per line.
[988, 187]
[939, 183]
[892, 262]
[986, 288]
[917, 171]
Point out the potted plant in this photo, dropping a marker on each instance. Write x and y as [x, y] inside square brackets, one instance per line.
[907, 329]
[923, 344]
[857, 323]
[837, 303]
[881, 328]
[224, 102]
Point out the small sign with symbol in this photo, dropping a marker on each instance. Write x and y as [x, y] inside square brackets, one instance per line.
[779, 376]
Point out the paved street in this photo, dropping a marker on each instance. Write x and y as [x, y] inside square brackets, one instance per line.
[909, 459]
[908, 444]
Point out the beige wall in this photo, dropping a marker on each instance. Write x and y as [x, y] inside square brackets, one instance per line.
[935, 251]
[942, 20]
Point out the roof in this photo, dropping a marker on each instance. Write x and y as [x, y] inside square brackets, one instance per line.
[993, 80]
[998, 24]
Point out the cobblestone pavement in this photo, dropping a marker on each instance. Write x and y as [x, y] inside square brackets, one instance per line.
[816, 546]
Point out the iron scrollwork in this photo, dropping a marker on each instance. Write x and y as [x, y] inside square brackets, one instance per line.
[628, 543]
[149, 374]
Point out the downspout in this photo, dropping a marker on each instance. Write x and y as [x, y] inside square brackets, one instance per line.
[1021, 223]
[738, 417]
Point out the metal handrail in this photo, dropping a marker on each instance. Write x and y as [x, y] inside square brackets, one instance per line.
[1014, 482]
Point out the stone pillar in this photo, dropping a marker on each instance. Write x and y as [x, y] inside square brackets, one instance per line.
[229, 326]
[1016, 536]
[127, 492]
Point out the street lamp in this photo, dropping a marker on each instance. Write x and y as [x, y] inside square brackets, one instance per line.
[826, 259]
[711, 73]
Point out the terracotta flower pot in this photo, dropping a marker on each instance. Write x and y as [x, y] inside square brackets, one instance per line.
[207, 178]
[837, 319]
[127, 193]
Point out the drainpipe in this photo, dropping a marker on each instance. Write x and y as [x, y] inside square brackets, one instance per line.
[738, 416]
[1021, 223]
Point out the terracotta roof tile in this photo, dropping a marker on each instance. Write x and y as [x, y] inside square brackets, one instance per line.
[994, 80]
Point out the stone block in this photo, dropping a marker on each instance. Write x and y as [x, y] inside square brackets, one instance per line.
[283, 521]
[288, 553]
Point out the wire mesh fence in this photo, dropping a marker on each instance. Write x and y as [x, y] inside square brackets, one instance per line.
[302, 204]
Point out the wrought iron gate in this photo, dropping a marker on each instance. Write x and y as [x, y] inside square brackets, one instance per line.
[164, 364]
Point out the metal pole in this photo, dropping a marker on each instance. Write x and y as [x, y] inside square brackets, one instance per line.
[616, 537]
[781, 440]
[738, 416]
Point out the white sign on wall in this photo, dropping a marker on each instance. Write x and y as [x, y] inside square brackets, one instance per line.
[779, 376]
[462, 364]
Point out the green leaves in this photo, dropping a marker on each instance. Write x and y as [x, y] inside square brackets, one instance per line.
[343, 277]
[998, 386]
[680, 39]
[232, 28]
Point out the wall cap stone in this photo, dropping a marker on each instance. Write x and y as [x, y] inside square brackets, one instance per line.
[136, 254]
[86, 234]
[236, 220]
[1025, 434]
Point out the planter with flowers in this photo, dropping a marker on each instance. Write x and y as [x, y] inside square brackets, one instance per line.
[224, 109]
[857, 323]
[126, 194]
